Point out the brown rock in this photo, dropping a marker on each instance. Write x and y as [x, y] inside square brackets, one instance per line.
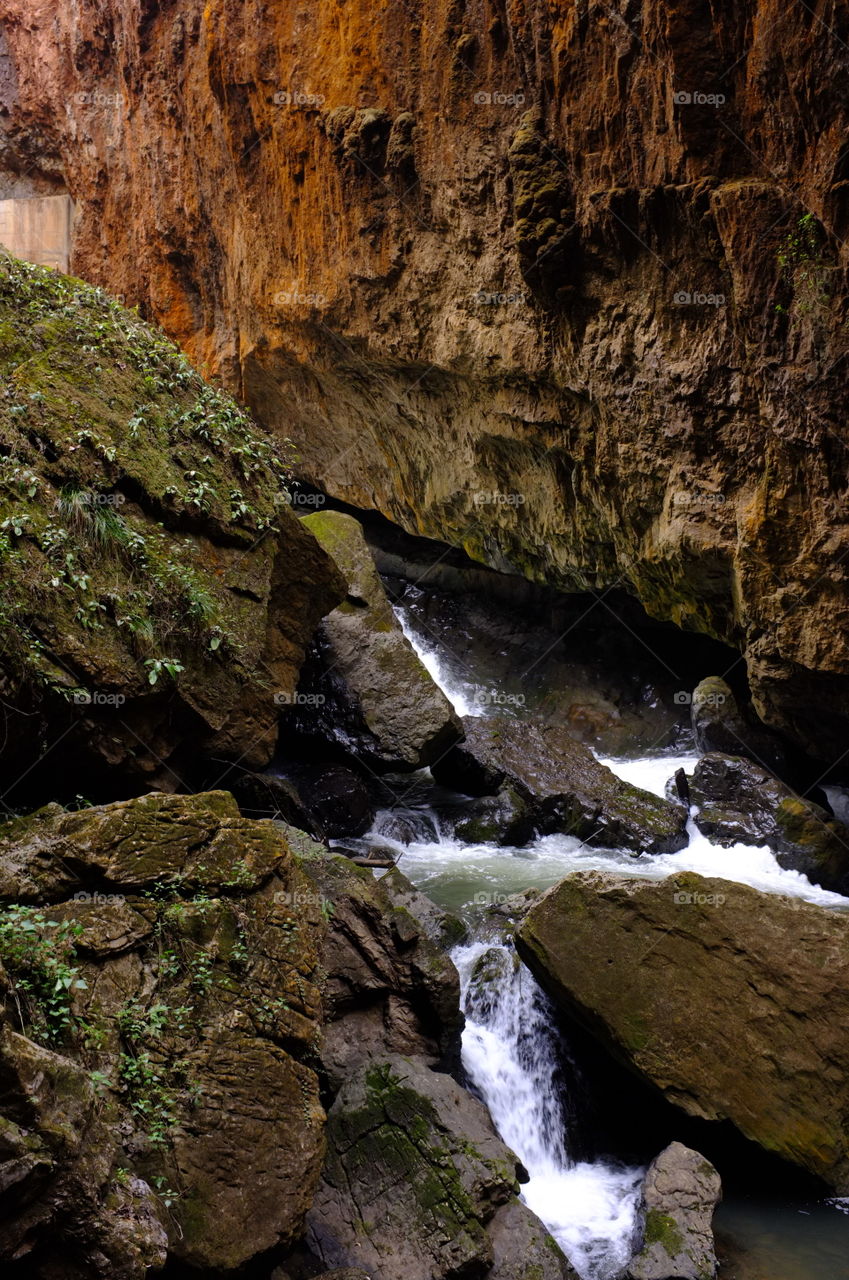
[485, 301]
[730, 1001]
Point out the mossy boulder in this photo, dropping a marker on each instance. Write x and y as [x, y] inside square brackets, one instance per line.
[679, 1195]
[732, 1002]
[561, 785]
[366, 689]
[741, 802]
[159, 593]
[414, 1174]
[158, 1038]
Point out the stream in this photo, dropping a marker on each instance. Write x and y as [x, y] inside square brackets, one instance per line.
[512, 1050]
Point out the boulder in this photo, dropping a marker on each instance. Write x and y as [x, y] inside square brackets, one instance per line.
[563, 786]
[159, 595]
[414, 1177]
[719, 726]
[159, 1014]
[734, 1003]
[388, 987]
[365, 688]
[740, 802]
[679, 1195]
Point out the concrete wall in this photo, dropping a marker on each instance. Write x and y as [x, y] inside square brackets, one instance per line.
[38, 228]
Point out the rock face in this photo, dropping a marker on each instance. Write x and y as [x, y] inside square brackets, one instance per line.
[731, 1001]
[166, 1099]
[155, 589]
[389, 988]
[415, 1173]
[560, 786]
[739, 802]
[592, 355]
[679, 1195]
[719, 726]
[367, 691]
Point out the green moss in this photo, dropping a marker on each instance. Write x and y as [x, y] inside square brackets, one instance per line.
[113, 454]
[661, 1229]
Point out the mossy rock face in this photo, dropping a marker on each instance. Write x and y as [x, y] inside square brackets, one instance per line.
[168, 985]
[732, 1002]
[741, 802]
[156, 583]
[560, 786]
[414, 1173]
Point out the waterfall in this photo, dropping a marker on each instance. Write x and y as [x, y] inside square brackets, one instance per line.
[512, 1059]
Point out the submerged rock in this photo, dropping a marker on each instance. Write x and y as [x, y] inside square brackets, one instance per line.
[366, 689]
[413, 1181]
[734, 1003]
[679, 1195]
[740, 802]
[559, 783]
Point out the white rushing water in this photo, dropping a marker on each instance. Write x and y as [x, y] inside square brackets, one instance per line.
[509, 1050]
[511, 1058]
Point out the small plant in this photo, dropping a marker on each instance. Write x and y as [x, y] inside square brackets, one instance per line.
[156, 666]
[38, 955]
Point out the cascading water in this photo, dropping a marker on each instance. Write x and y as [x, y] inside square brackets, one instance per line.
[510, 1052]
[511, 1057]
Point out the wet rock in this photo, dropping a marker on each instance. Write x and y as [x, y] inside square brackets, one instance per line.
[171, 1097]
[505, 819]
[389, 988]
[679, 1195]
[563, 786]
[366, 690]
[522, 1248]
[414, 1174]
[732, 1002]
[719, 726]
[444, 929]
[740, 802]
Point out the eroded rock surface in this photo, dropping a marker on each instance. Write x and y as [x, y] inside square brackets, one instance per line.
[157, 1038]
[739, 802]
[366, 689]
[592, 355]
[731, 1001]
[680, 1192]
[414, 1175]
[559, 786]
